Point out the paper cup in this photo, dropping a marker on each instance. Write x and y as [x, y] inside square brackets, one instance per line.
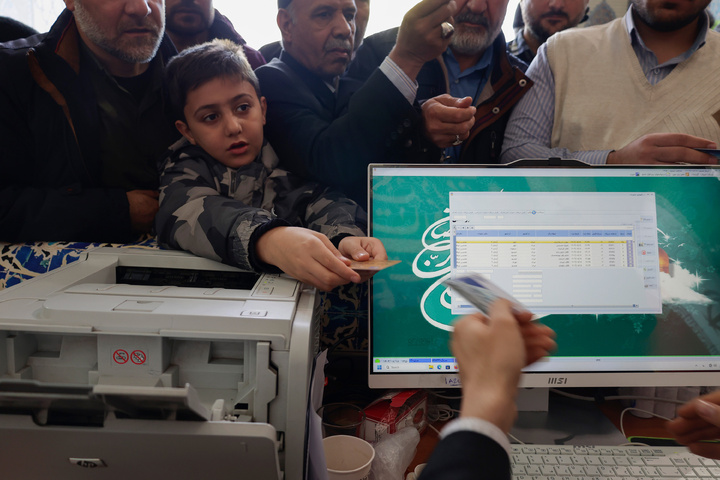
[348, 458]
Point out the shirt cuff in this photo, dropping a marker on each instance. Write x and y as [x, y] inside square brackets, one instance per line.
[593, 157]
[478, 425]
[397, 77]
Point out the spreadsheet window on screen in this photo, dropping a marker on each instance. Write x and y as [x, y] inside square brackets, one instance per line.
[622, 262]
[560, 252]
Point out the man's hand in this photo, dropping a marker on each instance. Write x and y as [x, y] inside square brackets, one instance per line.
[420, 39]
[307, 256]
[447, 119]
[491, 351]
[664, 148]
[143, 207]
[699, 421]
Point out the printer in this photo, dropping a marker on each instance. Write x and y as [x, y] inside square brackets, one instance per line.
[133, 363]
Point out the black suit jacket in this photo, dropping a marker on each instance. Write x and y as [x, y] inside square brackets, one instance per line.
[467, 455]
[332, 138]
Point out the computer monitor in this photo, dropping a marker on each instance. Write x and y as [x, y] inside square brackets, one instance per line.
[622, 262]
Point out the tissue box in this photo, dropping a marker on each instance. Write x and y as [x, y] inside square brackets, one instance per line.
[394, 411]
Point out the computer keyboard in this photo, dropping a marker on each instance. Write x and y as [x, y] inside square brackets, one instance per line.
[565, 462]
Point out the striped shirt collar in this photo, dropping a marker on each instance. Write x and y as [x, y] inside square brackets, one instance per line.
[644, 52]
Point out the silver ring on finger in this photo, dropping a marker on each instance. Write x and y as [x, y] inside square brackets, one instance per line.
[446, 30]
[457, 140]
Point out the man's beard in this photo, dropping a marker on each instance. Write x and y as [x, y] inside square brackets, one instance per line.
[470, 41]
[139, 50]
[661, 25]
[181, 29]
[540, 32]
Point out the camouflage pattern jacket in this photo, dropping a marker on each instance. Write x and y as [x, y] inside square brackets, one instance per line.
[219, 212]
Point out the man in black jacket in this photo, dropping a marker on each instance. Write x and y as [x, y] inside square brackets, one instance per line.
[84, 123]
[328, 128]
[467, 92]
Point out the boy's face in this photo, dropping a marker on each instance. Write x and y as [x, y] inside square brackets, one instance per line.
[225, 118]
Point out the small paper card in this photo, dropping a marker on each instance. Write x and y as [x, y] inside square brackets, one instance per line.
[374, 265]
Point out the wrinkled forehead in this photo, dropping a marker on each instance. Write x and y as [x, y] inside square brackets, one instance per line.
[480, 4]
[313, 4]
[203, 4]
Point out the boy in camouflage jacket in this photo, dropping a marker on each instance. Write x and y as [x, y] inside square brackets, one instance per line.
[222, 195]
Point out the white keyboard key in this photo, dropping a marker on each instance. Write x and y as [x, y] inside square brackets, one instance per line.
[577, 471]
[672, 472]
[687, 472]
[658, 461]
[635, 471]
[651, 472]
[592, 471]
[703, 472]
[535, 460]
[606, 471]
[622, 471]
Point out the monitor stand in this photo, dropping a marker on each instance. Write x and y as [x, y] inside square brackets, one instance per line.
[564, 421]
[533, 399]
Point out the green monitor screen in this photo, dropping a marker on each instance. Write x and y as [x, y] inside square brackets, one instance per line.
[622, 262]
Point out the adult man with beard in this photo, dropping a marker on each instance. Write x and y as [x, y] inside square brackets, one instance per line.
[468, 92]
[328, 128]
[192, 22]
[83, 124]
[640, 89]
[542, 19]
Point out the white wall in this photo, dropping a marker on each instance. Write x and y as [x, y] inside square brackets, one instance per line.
[253, 19]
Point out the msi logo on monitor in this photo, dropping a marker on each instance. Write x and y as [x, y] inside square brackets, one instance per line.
[557, 381]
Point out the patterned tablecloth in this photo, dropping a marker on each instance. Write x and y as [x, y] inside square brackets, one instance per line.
[343, 311]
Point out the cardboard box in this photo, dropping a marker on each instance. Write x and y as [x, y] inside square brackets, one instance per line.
[395, 411]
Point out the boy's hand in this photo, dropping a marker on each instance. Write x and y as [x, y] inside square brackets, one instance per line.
[307, 256]
[362, 249]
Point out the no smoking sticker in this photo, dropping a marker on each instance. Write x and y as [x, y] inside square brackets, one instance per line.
[138, 357]
[120, 356]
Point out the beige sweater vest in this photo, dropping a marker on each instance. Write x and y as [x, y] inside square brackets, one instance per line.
[603, 100]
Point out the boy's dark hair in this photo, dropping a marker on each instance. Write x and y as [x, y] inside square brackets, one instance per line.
[202, 63]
